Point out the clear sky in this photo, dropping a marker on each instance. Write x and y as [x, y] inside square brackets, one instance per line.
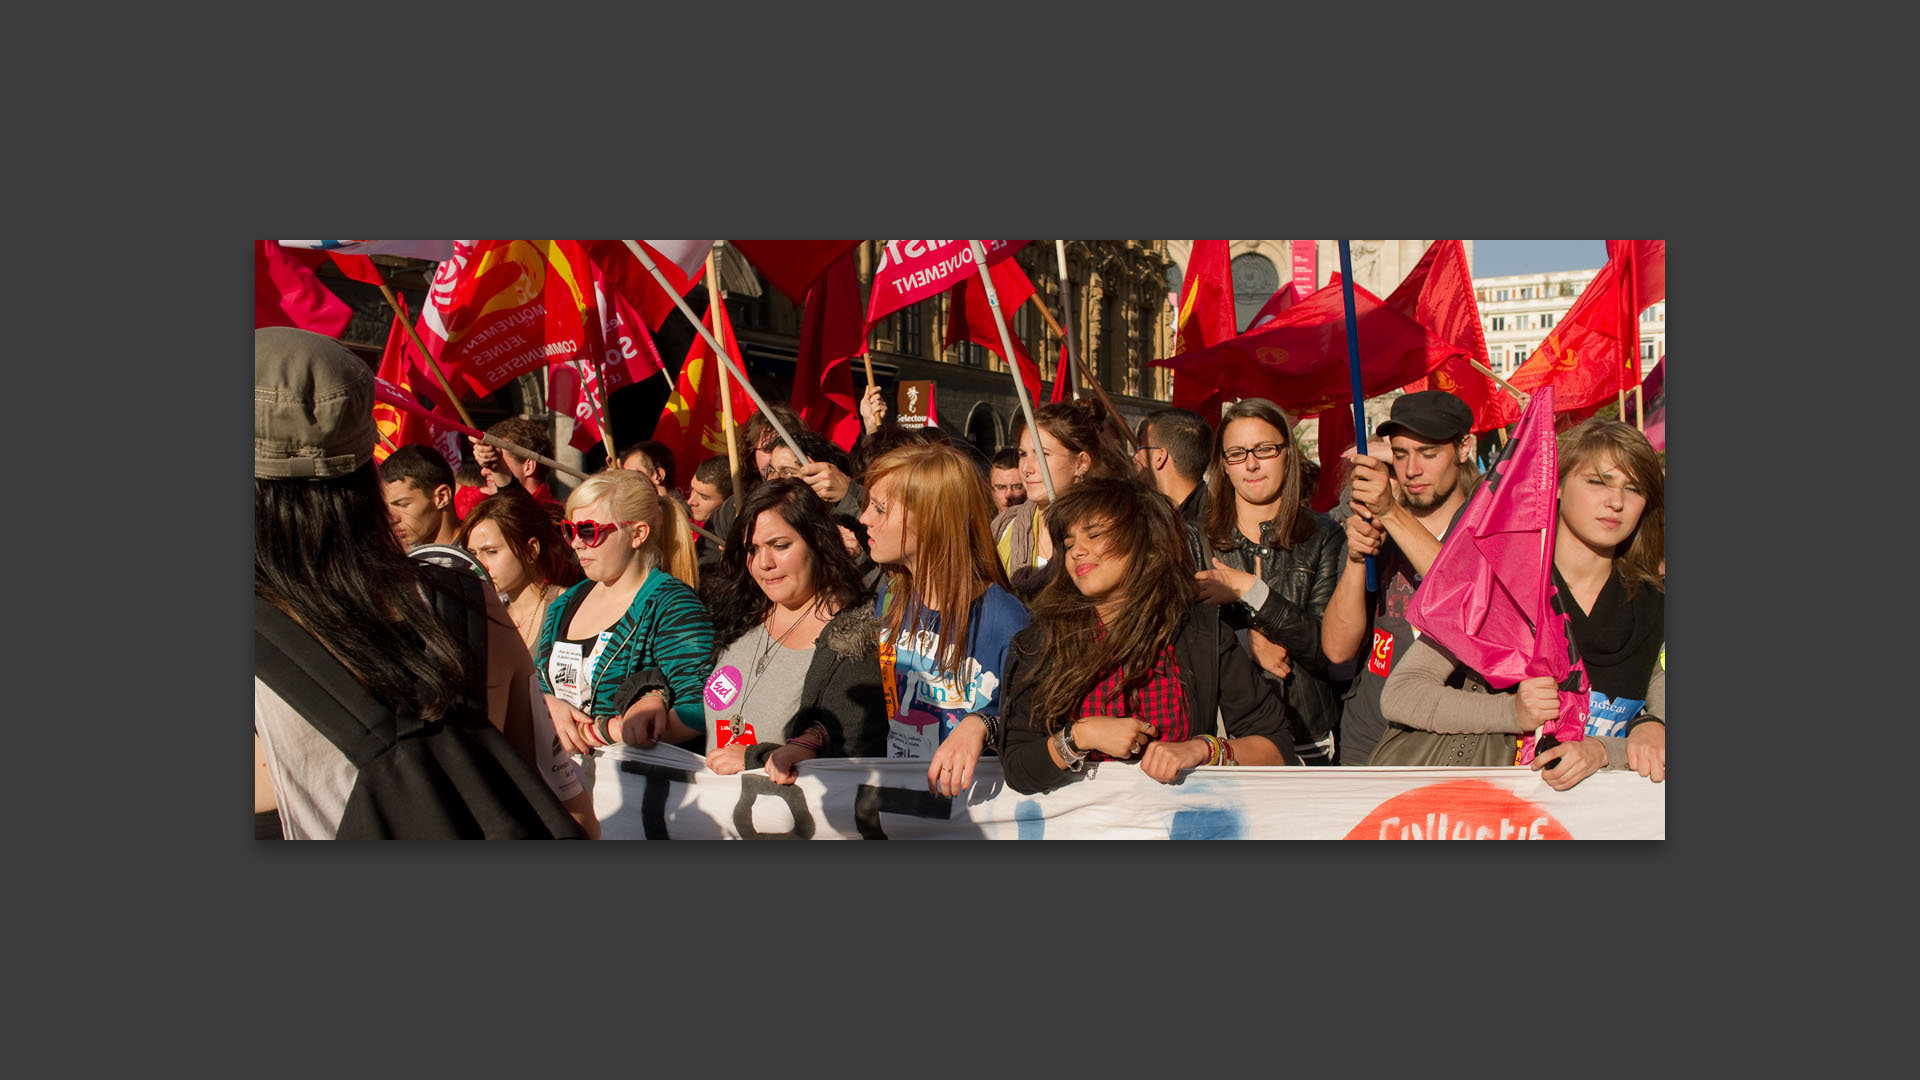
[1495, 258]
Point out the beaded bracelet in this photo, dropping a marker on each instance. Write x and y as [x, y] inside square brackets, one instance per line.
[993, 730]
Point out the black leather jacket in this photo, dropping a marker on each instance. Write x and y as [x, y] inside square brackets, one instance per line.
[1300, 582]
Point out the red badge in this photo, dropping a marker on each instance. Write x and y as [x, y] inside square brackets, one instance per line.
[1380, 661]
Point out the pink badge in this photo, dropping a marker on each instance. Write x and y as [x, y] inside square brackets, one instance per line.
[723, 686]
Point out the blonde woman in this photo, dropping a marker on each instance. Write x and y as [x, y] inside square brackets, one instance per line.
[946, 614]
[623, 653]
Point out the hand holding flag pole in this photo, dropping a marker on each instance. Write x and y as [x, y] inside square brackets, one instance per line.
[1006, 343]
[719, 350]
[1353, 365]
[387, 393]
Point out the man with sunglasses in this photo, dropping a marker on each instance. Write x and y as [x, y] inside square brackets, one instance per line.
[1175, 445]
[1402, 510]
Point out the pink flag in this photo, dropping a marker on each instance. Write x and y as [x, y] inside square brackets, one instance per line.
[1489, 597]
[912, 270]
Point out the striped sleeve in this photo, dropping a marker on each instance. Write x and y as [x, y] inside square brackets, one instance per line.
[680, 644]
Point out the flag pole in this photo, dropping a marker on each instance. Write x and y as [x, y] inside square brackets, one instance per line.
[714, 300]
[402, 401]
[718, 349]
[1113, 411]
[1006, 342]
[413, 331]
[1353, 367]
[1066, 306]
[593, 398]
[1518, 394]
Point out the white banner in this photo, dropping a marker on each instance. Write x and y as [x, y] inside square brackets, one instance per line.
[667, 793]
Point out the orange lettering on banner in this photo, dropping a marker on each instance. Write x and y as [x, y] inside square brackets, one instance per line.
[1459, 810]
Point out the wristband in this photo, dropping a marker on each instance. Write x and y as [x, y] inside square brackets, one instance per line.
[1075, 760]
[1066, 739]
[600, 729]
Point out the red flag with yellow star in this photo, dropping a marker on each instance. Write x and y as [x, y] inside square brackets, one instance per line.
[691, 424]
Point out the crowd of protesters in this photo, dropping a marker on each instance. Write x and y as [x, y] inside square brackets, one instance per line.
[1170, 600]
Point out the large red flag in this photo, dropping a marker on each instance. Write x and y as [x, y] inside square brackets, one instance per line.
[1204, 319]
[1299, 360]
[793, 266]
[971, 317]
[1489, 598]
[831, 333]
[519, 306]
[910, 271]
[1584, 358]
[691, 423]
[403, 428]
[618, 348]
[1438, 294]
[286, 293]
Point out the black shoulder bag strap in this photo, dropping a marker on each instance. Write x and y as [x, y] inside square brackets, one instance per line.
[319, 687]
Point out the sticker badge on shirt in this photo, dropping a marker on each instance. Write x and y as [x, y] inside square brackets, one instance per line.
[564, 671]
[914, 735]
[723, 688]
[1609, 716]
[1380, 659]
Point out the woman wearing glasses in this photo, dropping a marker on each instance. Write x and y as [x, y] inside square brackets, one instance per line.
[797, 675]
[1271, 563]
[1074, 444]
[945, 613]
[623, 653]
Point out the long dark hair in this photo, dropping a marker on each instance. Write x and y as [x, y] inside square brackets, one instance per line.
[1292, 521]
[324, 552]
[1159, 593]
[735, 598]
[520, 518]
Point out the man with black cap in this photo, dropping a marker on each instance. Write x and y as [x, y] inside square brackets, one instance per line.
[1401, 512]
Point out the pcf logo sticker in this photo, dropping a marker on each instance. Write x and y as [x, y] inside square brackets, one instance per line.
[1459, 810]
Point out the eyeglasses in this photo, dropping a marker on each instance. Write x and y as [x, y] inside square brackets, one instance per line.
[1236, 455]
[781, 472]
[591, 533]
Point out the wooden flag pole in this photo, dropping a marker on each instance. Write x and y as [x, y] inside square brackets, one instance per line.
[1518, 394]
[1113, 411]
[388, 443]
[714, 299]
[718, 349]
[1353, 366]
[593, 398]
[1019, 384]
[414, 332]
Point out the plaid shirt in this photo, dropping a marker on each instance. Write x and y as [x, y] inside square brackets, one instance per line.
[1161, 702]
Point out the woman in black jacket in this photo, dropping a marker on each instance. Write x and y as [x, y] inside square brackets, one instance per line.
[1272, 563]
[1120, 663]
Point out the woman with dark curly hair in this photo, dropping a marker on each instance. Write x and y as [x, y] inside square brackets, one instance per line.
[1074, 444]
[1120, 663]
[797, 675]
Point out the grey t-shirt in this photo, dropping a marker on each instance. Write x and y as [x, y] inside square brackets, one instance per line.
[767, 700]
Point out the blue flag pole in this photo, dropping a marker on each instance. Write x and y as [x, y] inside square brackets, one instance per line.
[1353, 366]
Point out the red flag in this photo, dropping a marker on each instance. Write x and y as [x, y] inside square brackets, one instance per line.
[1489, 597]
[1584, 358]
[1438, 294]
[1283, 298]
[971, 317]
[619, 352]
[912, 270]
[794, 266]
[1062, 378]
[1204, 319]
[519, 306]
[630, 279]
[401, 427]
[1299, 360]
[286, 293]
[831, 333]
[357, 267]
[1336, 435]
[691, 423]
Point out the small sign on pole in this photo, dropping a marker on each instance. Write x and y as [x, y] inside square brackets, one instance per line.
[915, 406]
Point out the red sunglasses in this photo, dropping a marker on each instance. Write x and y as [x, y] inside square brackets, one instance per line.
[591, 533]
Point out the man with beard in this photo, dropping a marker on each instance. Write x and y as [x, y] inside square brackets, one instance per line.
[1401, 512]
